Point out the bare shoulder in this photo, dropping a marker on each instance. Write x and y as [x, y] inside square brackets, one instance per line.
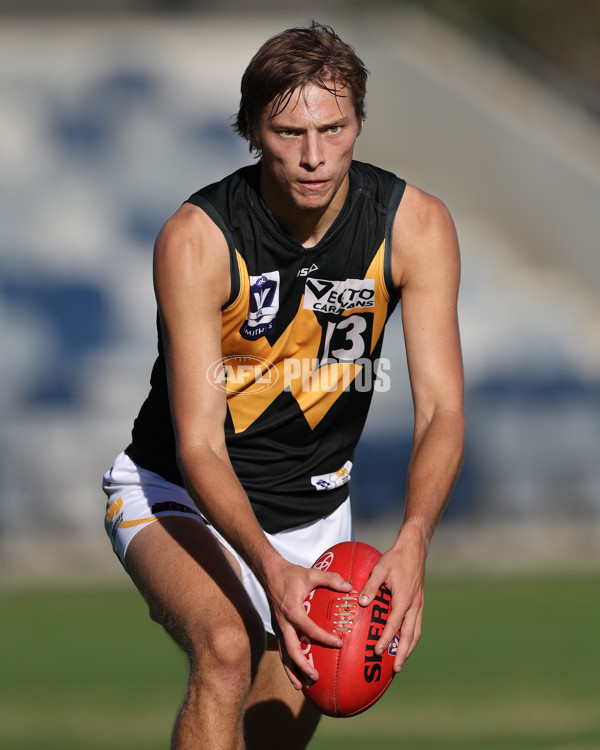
[191, 251]
[423, 238]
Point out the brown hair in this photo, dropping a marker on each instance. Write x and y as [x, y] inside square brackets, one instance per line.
[293, 59]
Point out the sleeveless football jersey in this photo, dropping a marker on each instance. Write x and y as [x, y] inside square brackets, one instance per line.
[301, 338]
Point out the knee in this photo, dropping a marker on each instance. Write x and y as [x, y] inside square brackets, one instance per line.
[229, 651]
[223, 664]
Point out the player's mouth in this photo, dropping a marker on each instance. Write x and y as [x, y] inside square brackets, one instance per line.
[314, 185]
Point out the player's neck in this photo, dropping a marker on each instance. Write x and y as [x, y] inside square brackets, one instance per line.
[307, 225]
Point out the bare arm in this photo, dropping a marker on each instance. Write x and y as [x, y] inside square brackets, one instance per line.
[191, 277]
[426, 265]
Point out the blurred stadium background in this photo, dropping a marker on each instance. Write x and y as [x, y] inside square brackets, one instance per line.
[112, 113]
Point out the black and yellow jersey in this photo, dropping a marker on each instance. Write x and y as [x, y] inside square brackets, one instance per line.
[301, 340]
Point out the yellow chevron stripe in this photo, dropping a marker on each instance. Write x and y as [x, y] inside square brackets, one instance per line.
[300, 341]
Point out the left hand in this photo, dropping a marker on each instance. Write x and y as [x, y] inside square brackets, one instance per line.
[402, 570]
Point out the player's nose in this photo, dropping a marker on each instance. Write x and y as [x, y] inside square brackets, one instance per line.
[312, 152]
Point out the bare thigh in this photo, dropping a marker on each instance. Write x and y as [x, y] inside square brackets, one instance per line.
[192, 587]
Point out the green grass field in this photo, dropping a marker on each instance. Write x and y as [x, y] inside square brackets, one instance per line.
[504, 664]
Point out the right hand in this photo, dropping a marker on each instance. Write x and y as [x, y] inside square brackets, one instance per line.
[287, 592]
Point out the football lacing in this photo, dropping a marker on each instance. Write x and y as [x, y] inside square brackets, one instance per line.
[345, 609]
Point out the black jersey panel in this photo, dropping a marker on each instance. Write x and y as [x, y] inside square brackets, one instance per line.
[300, 347]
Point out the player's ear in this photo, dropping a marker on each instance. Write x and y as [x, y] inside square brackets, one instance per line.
[253, 140]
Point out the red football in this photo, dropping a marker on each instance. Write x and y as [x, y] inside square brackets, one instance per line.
[352, 677]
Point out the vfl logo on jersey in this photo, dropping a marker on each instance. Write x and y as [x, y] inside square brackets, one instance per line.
[336, 296]
[264, 304]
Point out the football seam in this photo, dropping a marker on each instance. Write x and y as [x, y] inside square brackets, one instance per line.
[339, 656]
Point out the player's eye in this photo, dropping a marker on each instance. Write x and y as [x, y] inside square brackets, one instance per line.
[287, 133]
[334, 129]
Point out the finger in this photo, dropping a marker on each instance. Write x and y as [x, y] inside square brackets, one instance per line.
[334, 581]
[394, 626]
[317, 634]
[371, 588]
[295, 662]
[291, 672]
[400, 622]
[409, 635]
[288, 667]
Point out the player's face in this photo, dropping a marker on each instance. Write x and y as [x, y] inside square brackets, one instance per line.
[307, 149]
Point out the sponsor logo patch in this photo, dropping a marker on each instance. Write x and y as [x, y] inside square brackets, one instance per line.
[264, 304]
[335, 479]
[326, 296]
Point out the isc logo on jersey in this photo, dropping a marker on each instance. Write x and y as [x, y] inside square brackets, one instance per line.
[264, 304]
[325, 296]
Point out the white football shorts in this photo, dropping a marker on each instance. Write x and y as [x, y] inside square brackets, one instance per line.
[138, 497]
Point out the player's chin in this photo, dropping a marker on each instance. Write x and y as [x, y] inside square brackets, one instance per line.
[307, 199]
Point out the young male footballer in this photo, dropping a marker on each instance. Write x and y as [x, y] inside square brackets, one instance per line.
[274, 287]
